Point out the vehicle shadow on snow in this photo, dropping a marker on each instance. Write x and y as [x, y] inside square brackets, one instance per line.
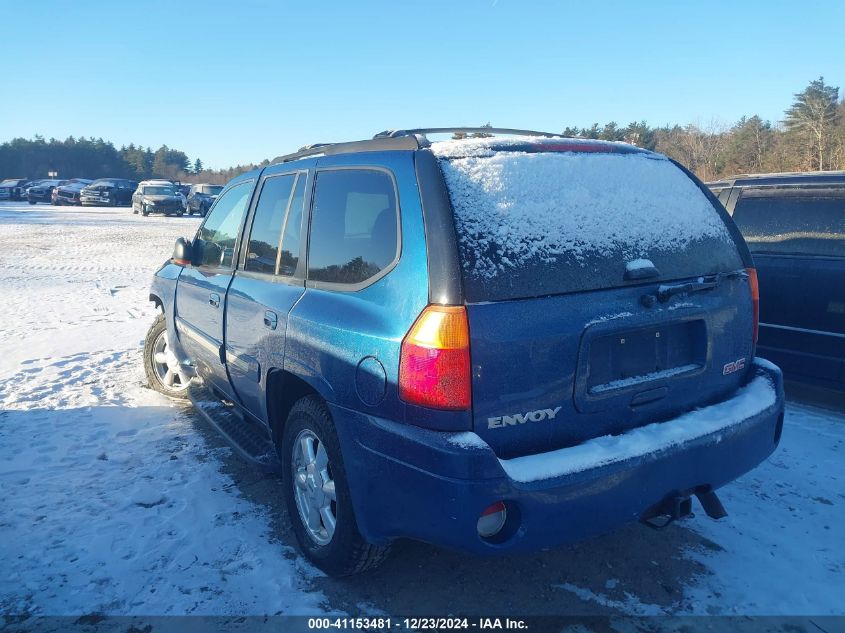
[635, 570]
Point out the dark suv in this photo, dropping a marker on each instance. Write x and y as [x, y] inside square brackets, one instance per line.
[794, 225]
[43, 191]
[494, 344]
[108, 192]
[201, 197]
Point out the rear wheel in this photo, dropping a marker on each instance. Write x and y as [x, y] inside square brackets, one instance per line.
[32, 202]
[164, 373]
[317, 493]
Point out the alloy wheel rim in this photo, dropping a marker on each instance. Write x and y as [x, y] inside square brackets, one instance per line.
[314, 487]
[167, 368]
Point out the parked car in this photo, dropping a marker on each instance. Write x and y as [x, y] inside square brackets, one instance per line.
[42, 191]
[201, 197]
[158, 197]
[13, 188]
[553, 338]
[794, 225]
[111, 192]
[69, 194]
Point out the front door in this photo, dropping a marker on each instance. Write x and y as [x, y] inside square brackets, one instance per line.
[201, 289]
[268, 282]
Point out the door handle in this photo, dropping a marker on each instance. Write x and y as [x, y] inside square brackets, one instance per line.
[271, 320]
[214, 299]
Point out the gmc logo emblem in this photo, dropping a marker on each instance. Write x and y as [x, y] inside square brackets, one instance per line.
[730, 368]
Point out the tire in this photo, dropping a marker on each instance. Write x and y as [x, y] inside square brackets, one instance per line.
[157, 372]
[32, 202]
[344, 551]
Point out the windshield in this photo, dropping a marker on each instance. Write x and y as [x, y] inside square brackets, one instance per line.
[159, 191]
[211, 190]
[538, 224]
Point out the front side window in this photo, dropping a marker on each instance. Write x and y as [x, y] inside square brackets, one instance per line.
[214, 246]
[354, 223]
[792, 225]
[267, 222]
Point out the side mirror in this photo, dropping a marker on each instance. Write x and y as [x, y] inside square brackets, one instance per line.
[182, 252]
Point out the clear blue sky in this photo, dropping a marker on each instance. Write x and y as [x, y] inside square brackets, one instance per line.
[238, 82]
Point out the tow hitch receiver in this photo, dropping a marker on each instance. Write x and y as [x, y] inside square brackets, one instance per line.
[667, 511]
[679, 506]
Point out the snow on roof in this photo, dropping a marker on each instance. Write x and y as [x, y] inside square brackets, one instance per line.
[477, 147]
[514, 207]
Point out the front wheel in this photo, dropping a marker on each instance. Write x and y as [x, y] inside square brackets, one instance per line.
[32, 202]
[164, 372]
[317, 493]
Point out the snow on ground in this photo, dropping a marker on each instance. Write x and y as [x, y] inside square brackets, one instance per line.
[783, 542]
[780, 549]
[111, 501]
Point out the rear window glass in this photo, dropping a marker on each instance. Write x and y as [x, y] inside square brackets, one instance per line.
[535, 224]
[793, 225]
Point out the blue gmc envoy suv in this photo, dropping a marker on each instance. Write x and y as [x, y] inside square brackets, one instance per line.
[499, 342]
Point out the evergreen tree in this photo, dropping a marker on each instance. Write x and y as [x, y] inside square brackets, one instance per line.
[812, 120]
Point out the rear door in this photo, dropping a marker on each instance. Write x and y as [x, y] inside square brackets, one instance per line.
[267, 284]
[201, 289]
[603, 292]
[797, 237]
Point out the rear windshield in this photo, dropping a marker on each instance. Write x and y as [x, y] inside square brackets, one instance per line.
[794, 225]
[535, 224]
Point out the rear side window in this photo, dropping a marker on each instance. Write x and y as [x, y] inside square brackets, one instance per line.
[354, 222]
[794, 225]
[535, 224]
[267, 222]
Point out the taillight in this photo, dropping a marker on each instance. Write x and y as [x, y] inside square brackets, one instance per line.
[434, 365]
[755, 300]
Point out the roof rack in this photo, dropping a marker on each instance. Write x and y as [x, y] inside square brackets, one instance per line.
[329, 149]
[423, 131]
[397, 140]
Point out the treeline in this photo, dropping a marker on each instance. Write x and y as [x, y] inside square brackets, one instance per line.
[811, 137]
[96, 158]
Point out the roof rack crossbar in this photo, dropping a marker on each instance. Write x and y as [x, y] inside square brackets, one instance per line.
[464, 130]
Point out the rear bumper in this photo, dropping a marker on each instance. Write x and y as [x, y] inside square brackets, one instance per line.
[408, 482]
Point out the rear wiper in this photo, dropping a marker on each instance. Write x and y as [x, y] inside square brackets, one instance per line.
[666, 292]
